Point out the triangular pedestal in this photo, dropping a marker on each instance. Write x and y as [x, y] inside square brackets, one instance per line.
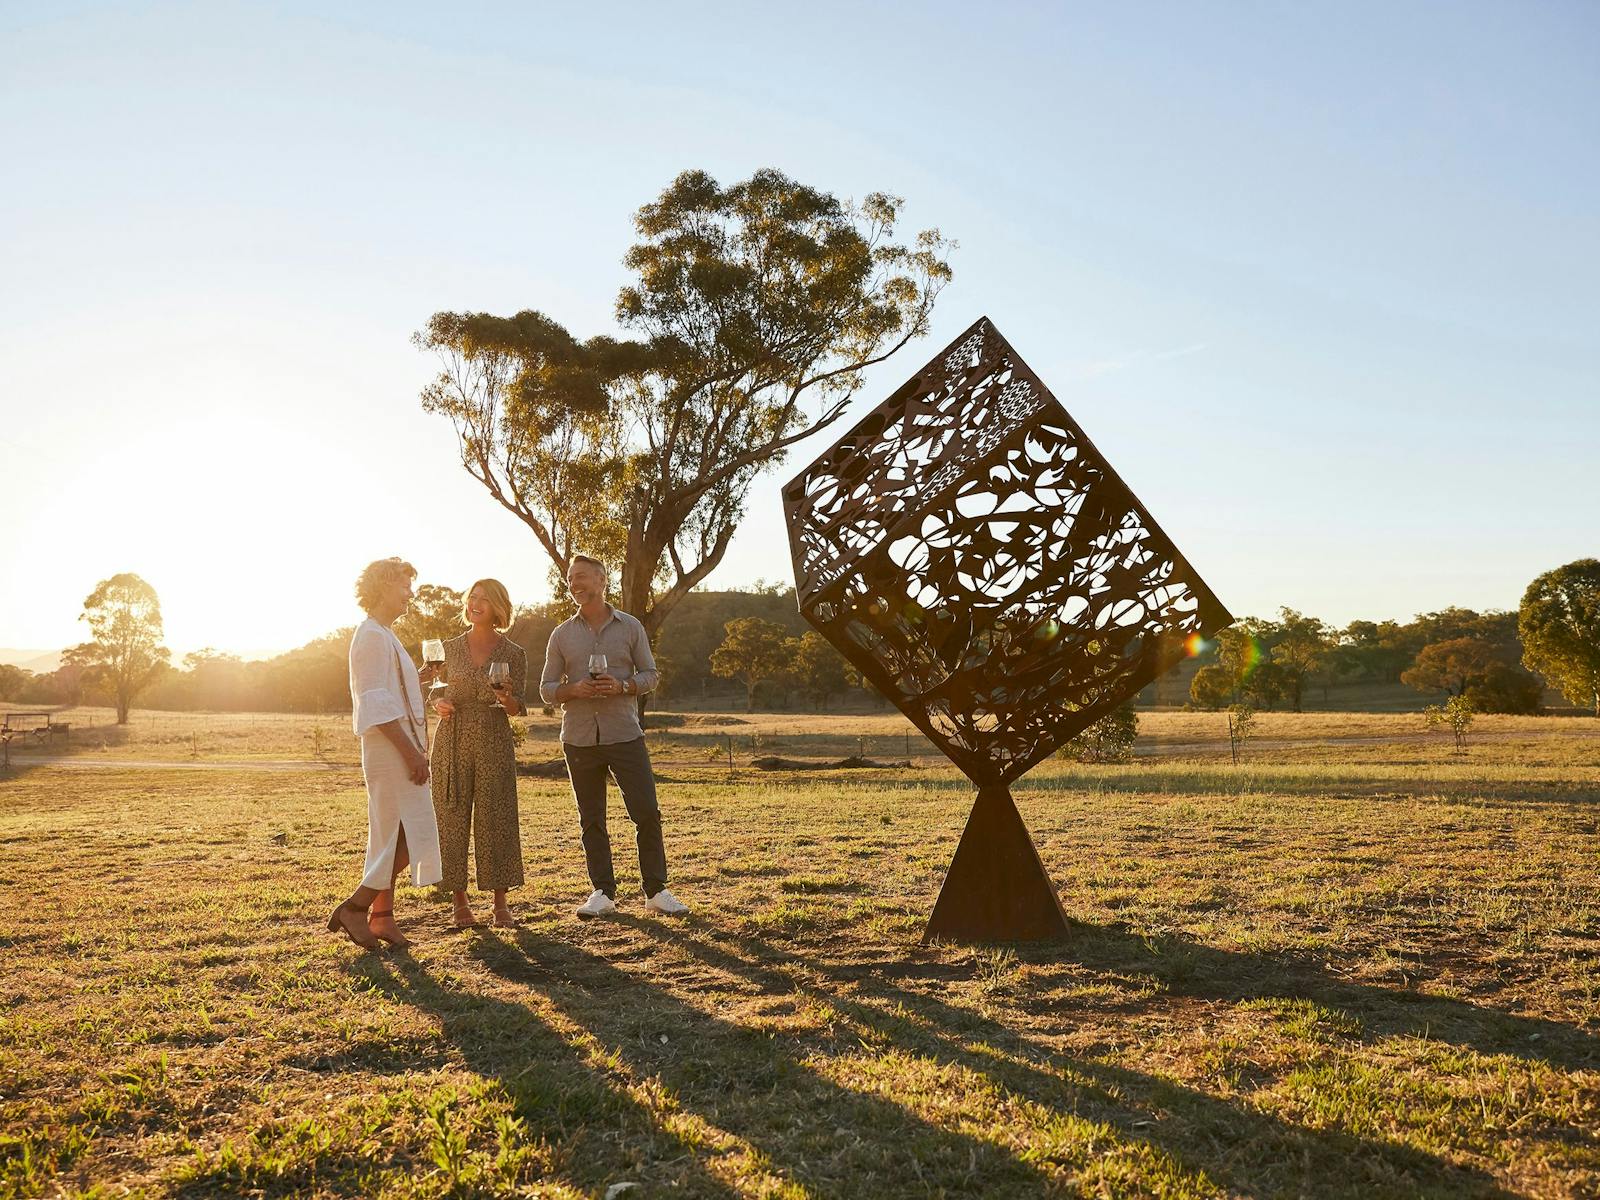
[996, 889]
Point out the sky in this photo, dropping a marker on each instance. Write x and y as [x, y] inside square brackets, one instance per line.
[1319, 280]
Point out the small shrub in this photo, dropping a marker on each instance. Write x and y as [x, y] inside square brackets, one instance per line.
[1241, 728]
[1455, 714]
[1108, 740]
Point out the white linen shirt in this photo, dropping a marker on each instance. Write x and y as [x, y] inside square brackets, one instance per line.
[382, 679]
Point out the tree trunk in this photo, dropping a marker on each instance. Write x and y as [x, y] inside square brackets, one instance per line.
[634, 598]
[750, 696]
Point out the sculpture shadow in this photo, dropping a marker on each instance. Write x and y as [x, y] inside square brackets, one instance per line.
[1203, 1134]
[1192, 969]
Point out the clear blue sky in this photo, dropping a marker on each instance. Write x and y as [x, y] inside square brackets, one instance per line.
[1319, 279]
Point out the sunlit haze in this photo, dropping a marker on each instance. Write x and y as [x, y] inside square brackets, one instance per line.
[1319, 284]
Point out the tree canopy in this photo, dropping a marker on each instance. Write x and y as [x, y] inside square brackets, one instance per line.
[435, 612]
[753, 650]
[748, 301]
[1559, 624]
[124, 615]
[1450, 666]
[1476, 670]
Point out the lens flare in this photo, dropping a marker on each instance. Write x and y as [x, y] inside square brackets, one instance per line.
[1252, 656]
[1195, 645]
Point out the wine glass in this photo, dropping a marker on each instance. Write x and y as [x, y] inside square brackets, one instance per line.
[498, 674]
[597, 666]
[433, 656]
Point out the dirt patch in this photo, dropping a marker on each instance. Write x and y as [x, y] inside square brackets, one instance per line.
[771, 762]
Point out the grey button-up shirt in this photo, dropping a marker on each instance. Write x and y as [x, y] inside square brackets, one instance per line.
[604, 720]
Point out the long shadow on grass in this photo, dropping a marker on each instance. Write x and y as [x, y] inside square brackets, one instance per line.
[601, 1132]
[1192, 969]
[1239, 1149]
[1300, 780]
[1305, 780]
[824, 1137]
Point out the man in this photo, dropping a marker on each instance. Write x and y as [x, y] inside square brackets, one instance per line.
[600, 732]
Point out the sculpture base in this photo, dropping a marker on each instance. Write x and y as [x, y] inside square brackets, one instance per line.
[996, 889]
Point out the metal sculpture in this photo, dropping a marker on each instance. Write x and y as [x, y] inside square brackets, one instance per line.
[978, 560]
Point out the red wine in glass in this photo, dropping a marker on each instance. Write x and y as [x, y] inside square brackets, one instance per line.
[433, 656]
[498, 674]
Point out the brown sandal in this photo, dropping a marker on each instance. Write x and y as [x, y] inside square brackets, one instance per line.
[344, 920]
[397, 938]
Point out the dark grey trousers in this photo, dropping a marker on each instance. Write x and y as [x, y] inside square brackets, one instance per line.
[629, 764]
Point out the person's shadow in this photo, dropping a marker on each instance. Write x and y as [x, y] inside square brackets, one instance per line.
[564, 1098]
[752, 1105]
[756, 1087]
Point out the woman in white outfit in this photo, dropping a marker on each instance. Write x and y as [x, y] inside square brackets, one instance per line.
[386, 697]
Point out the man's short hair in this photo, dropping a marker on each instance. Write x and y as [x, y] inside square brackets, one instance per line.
[593, 562]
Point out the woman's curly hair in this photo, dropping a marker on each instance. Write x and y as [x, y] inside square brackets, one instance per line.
[379, 575]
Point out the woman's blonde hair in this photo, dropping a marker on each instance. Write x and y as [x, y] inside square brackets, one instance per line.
[499, 601]
[379, 575]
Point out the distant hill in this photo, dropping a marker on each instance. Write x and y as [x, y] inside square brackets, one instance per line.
[40, 662]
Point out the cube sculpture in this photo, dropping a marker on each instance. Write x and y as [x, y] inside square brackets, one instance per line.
[977, 559]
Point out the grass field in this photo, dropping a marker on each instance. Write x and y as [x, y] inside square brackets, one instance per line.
[1354, 965]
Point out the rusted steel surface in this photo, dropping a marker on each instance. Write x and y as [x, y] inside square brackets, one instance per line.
[969, 549]
[997, 889]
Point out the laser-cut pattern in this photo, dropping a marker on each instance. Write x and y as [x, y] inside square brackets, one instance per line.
[974, 555]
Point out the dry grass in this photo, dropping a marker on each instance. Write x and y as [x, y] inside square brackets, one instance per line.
[1200, 737]
[1359, 970]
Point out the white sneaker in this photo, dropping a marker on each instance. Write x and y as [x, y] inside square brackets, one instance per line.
[597, 905]
[665, 903]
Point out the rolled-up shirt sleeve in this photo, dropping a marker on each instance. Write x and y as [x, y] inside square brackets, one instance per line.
[645, 675]
[554, 674]
[372, 696]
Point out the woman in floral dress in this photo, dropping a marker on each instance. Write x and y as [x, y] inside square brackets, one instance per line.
[474, 760]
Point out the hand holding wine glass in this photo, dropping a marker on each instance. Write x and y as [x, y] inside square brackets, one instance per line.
[597, 672]
[499, 677]
[433, 659]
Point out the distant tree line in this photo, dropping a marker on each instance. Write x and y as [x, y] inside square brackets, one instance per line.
[752, 645]
[1495, 661]
[315, 677]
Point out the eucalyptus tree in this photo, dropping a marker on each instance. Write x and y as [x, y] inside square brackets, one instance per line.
[124, 615]
[1559, 623]
[752, 313]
